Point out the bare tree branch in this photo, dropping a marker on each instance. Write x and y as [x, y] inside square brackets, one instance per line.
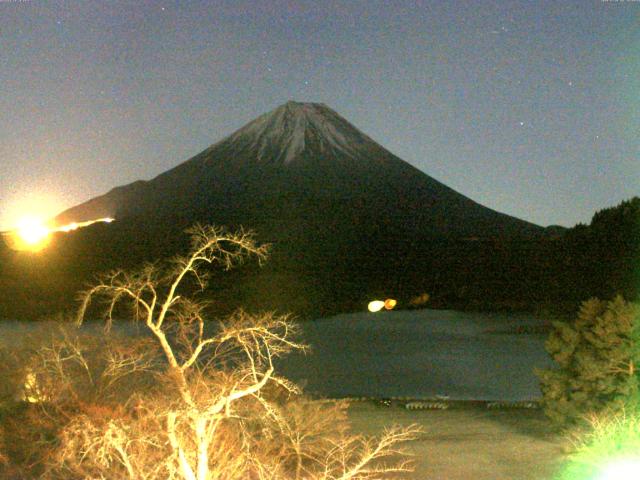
[221, 413]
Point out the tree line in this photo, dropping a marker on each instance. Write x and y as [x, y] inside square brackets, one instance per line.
[313, 275]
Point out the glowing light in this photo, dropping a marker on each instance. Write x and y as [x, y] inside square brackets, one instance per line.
[76, 225]
[31, 390]
[32, 234]
[420, 300]
[375, 306]
[32, 230]
[390, 304]
[69, 228]
[610, 451]
[626, 469]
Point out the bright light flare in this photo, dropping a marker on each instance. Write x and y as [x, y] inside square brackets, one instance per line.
[624, 469]
[375, 306]
[32, 234]
[32, 231]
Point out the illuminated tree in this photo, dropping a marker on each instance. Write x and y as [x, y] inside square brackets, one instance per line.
[597, 356]
[216, 407]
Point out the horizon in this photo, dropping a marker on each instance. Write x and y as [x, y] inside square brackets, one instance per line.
[526, 109]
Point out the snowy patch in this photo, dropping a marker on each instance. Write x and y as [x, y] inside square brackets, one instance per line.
[425, 405]
[289, 128]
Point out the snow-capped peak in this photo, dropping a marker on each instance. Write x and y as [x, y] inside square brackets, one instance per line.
[292, 127]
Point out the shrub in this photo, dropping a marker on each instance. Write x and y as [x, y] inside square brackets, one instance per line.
[609, 443]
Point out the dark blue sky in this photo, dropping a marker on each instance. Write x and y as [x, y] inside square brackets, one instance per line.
[528, 107]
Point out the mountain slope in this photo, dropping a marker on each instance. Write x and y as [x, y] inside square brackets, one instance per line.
[297, 164]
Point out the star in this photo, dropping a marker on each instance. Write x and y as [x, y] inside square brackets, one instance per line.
[498, 32]
[522, 124]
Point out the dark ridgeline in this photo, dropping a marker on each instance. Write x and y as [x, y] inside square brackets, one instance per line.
[348, 220]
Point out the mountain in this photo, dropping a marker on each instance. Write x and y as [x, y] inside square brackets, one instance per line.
[299, 163]
[346, 217]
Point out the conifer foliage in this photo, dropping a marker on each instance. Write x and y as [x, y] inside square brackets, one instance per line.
[598, 357]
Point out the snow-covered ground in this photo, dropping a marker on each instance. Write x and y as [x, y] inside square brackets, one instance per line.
[420, 354]
[416, 354]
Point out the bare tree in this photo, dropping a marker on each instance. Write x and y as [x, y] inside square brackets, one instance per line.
[217, 409]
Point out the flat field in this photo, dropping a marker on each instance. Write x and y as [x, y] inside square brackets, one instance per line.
[470, 442]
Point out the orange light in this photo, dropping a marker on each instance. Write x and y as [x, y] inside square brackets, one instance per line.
[390, 303]
[419, 300]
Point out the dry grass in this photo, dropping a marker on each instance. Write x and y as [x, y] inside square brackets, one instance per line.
[471, 442]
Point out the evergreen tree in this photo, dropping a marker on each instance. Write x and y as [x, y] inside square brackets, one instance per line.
[598, 356]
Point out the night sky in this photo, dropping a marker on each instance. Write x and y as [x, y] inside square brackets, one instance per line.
[528, 107]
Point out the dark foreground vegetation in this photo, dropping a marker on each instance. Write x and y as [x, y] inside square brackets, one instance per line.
[193, 399]
[593, 395]
[313, 275]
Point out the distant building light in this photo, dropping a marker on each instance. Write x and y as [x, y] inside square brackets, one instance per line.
[375, 306]
[390, 303]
